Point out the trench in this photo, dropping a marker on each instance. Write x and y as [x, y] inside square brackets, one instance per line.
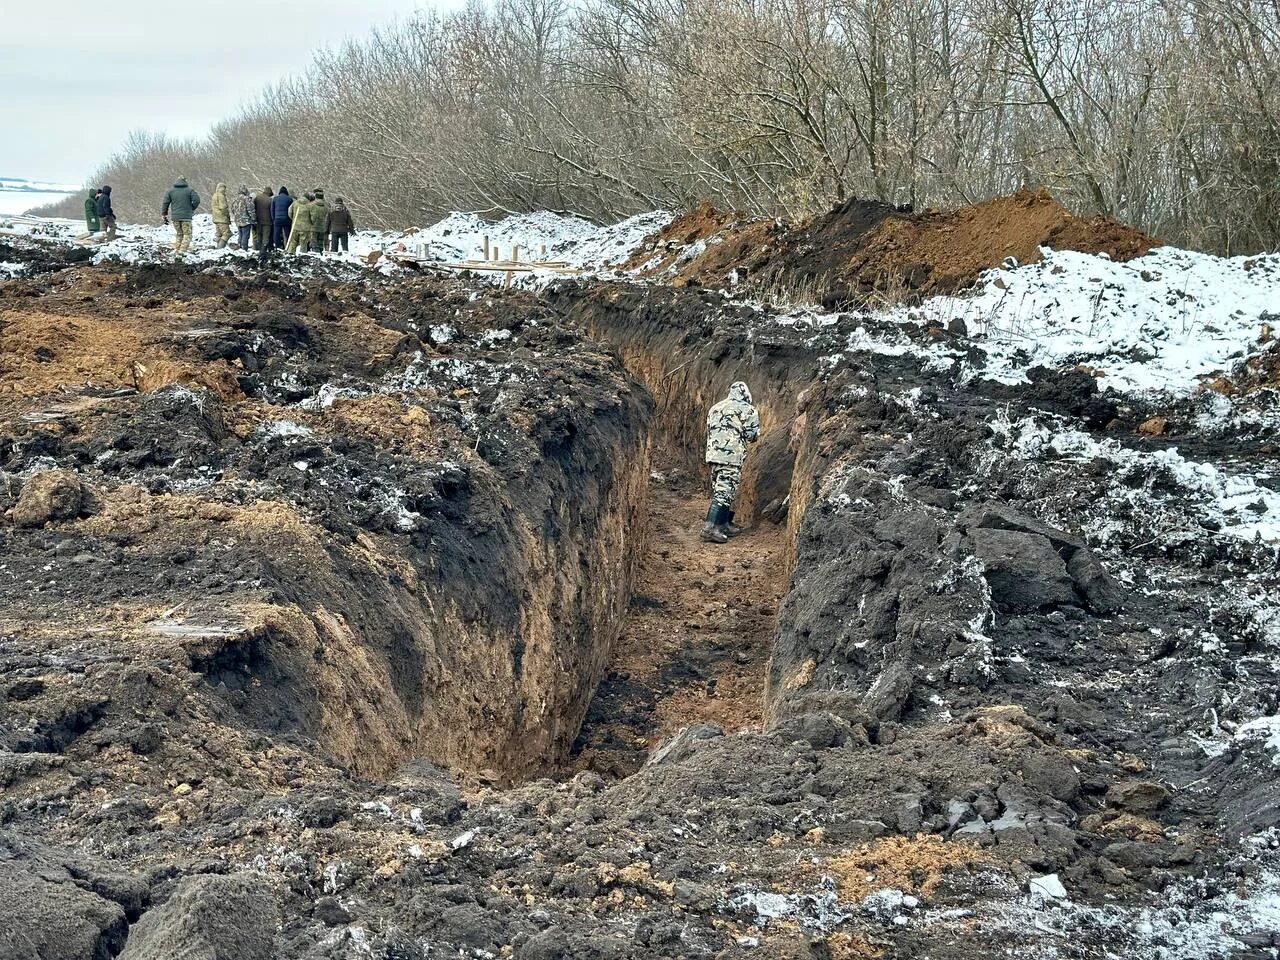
[696, 642]
[554, 610]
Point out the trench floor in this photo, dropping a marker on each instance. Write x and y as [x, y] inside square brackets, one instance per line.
[696, 643]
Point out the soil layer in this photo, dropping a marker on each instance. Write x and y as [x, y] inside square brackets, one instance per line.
[309, 575]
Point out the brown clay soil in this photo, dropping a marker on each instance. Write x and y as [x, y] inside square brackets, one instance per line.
[866, 249]
[695, 645]
[942, 252]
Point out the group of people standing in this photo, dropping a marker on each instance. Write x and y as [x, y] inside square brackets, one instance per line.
[263, 221]
[298, 224]
[98, 214]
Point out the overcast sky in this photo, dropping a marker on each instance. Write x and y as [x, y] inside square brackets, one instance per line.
[76, 77]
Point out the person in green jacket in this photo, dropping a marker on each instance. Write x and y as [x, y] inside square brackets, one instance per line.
[300, 233]
[319, 222]
[221, 215]
[91, 222]
[180, 203]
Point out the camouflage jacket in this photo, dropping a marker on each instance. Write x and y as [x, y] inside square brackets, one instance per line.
[731, 425]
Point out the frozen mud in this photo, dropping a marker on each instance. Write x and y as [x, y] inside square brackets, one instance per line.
[310, 577]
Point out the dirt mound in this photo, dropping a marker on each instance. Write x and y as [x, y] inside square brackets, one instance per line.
[816, 250]
[695, 225]
[934, 252]
[709, 247]
[864, 248]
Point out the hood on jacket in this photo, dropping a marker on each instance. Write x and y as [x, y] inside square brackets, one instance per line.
[284, 190]
[106, 190]
[180, 182]
[92, 194]
[739, 391]
[220, 188]
[319, 194]
[243, 191]
[339, 202]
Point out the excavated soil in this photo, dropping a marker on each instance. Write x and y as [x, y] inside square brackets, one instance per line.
[350, 616]
[868, 250]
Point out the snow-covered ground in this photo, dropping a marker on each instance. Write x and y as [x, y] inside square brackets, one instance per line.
[580, 243]
[18, 195]
[1160, 322]
[459, 236]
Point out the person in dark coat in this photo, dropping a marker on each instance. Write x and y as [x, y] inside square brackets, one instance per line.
[91, 221]
[262, 223]
[280, 204]
[180, 203]
[105, 213]
[340, 225]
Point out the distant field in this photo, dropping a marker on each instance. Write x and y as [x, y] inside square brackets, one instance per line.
[18, 195]
[20, 201]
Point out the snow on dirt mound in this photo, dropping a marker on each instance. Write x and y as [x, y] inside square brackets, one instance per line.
[1163, 321]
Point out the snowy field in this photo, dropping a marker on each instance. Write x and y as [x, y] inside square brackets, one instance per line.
[579, 243]
[1159, 322]
[13, 202]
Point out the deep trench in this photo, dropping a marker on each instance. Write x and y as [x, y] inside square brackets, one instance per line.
[697, 637]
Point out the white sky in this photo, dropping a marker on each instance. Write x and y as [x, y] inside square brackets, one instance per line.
[76, 76]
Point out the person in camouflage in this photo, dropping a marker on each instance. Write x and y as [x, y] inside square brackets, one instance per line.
[180, 203]
[221, 215]
[300, 233]
[319, 221]
[731, 425]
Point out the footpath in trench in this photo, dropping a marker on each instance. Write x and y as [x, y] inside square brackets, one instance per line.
[695, 647]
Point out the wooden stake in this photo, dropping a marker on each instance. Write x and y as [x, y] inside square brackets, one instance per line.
[515, 254]
[486, 246]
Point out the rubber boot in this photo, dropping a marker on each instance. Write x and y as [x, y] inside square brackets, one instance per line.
[729, 528]
[711, 532]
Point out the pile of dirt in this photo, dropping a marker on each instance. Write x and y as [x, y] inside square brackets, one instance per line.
[708, 247]
[935, 252]
[865, 249]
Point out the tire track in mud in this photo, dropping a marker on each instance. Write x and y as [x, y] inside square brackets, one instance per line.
[696, 643]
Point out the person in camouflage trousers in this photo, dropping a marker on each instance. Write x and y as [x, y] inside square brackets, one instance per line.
[319, 221]
[731, 425]
[300, 232]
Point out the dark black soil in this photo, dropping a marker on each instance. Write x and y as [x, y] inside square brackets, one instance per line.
[271, 638]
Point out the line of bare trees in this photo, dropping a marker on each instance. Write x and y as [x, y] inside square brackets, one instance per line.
[1161, 113]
